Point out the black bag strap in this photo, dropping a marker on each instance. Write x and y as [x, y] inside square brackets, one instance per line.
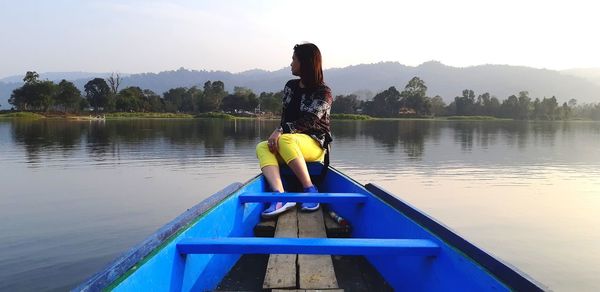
[325, 162]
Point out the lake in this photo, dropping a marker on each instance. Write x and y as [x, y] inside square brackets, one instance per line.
[75, 195]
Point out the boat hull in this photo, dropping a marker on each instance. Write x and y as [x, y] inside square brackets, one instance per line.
[459, 265]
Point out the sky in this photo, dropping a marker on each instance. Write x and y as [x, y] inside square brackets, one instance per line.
[134, 36]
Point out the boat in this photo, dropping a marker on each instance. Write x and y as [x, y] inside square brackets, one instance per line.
[212, 243]
[90, 118]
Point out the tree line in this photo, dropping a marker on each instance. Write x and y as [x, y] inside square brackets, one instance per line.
[414, 102]
[104, 95]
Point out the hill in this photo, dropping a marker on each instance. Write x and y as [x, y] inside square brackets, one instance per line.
[591, 74]
[368, 79]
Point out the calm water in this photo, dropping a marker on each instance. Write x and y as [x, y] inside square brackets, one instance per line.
[74, 195]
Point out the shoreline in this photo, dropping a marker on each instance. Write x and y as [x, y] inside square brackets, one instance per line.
[217, 115]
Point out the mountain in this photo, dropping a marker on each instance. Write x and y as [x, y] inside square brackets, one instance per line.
[591, 74]
[57, 76]
[5, 91]
[368, 79]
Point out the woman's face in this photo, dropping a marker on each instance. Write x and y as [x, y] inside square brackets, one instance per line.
[295, 66]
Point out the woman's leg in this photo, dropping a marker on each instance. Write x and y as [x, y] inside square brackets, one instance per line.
[269, 165]
[296, 149]
[298, 166]
[271, 173]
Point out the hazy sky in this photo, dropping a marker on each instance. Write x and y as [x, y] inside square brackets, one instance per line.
[133, 36]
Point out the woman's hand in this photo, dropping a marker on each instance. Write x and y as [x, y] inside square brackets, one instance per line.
[273, 140]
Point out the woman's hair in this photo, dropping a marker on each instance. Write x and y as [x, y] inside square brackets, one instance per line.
[311, 72]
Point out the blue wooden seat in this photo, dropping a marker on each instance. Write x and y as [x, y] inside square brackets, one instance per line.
[252, 197]
[330, 246]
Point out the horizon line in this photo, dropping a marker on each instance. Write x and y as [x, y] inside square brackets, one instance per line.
[285, 67]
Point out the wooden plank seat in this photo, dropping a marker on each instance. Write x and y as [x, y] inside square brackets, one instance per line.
[330, 246]
[281, 268]
[302, 197]
[314, 271]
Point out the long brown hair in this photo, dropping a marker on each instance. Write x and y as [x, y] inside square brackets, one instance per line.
[311, 72]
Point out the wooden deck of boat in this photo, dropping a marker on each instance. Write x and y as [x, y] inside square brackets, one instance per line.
[284, 272]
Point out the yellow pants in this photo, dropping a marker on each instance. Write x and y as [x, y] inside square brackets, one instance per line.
[291, 146]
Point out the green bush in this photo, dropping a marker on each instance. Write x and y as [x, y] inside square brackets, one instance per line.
[22, 115]
[350, 117]
[148, 116]
[214, 115]
[471, 118]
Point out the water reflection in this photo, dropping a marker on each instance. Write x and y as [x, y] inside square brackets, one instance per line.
[110, 138]
[211, 136]
[409, 135]
[122, 179]
[37, 136]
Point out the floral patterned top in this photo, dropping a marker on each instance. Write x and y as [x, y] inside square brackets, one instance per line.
[307, 111]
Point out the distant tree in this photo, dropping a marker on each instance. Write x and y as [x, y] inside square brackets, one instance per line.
[414, 96]
[114, 80]
[130, 99]
[538, 110]
[242, 91]
[44, 95]
[135, 99]
[465, 104]
[213, 94]
[494, 107]
[438, 106]
[451, 108]
[196, 98]
[510, 107]
[153, 102]
[83, 104]
[588, 111]
[595, 112]
[251, 102]
[550, 108]
[271, 102]
[23, 97]
[34, 94]
[345, 104]
[385, 103]
[231, 102]
[524, 105]
[98, 93]
[20, 98]
[31, 77]
[482, 105]
[180, 99]
[565, 112]
[68, 96]
[242, 99]
[368, 107]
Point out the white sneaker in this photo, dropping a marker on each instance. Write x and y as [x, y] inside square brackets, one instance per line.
[277, 208]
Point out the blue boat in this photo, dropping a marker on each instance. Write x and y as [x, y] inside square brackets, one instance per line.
[403, 248]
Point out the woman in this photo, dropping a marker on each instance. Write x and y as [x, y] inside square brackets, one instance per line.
[303, 133]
